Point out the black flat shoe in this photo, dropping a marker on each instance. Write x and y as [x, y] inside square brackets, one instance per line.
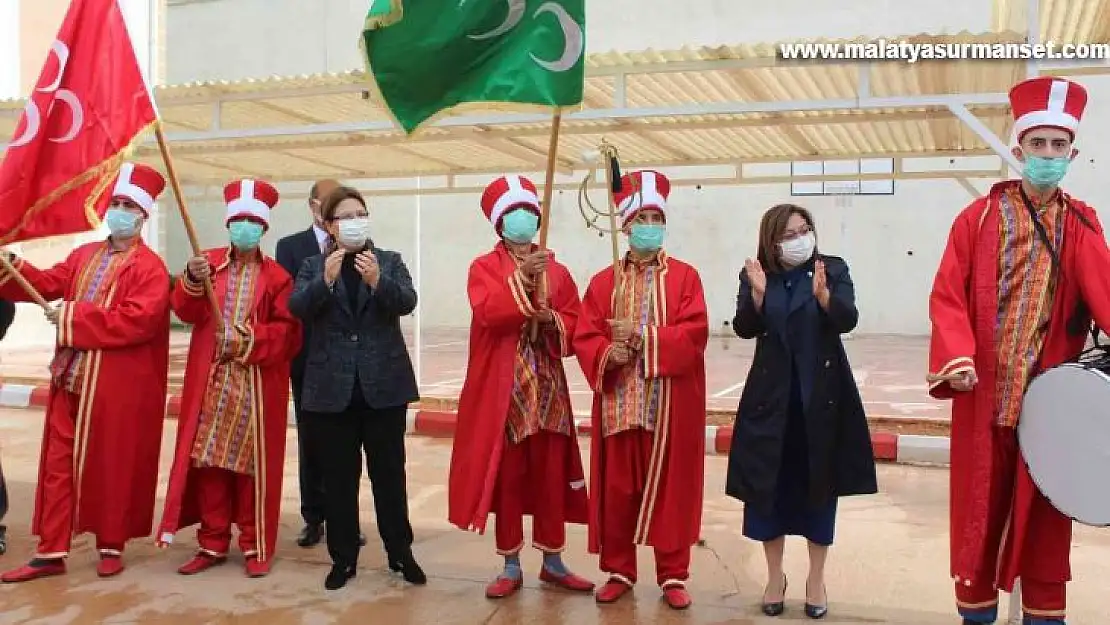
[778, 607]
[817, 611]
[311, 535]
[338, 577]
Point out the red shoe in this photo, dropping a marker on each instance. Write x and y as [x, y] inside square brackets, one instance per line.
[29, 572]
[612, 590]
[257, 568]
[570, 581]
[503, 587]
[109, 566]
[677, 597]
[200, 563]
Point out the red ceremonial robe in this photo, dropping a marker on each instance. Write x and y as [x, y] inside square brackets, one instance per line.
[963, 307]
[275, 337]
[500, 308]
[674, 350]
[120, 414]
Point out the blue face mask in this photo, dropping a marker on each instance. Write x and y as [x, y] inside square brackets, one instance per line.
[1045, 172]
[122, 223]
[520, 226]
[245, 235]
[647, 237]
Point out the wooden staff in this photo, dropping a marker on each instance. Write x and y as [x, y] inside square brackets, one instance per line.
[35, 295]
[545, 208]
[163, 146]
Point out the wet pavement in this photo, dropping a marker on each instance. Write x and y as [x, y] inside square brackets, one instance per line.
[889, 565]
[890, 371]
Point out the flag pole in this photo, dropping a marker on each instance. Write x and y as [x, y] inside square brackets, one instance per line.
[545, 206]
[164, 147]
[35, 295]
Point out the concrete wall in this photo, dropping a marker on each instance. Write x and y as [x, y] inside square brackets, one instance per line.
[279, 37]
[892, 243]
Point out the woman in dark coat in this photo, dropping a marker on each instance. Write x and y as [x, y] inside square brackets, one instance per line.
[800, 439]
[358, 383]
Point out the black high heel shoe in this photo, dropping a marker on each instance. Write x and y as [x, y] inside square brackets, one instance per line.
[778, 607]
[817, 611]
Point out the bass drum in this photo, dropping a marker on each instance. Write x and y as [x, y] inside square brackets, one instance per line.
[1064, 433]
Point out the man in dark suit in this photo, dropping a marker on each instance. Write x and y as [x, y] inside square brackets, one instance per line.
[291, 253]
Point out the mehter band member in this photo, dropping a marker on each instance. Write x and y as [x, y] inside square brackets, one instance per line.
[1024, 270]
[98, 470]
[231, 433]
[516, 450]
[645, 361]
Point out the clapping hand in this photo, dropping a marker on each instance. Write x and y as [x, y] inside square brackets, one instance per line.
[756, 277]
[820, 284]
[367, 265]
[332, 266]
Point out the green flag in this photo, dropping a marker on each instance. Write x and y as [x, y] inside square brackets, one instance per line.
[430, 56]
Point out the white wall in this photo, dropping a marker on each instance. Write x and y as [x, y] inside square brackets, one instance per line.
[9, 50]
[892, 243]
[281, 37]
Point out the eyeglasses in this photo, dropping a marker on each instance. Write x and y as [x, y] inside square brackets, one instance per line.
[790, 235]
[362, 215]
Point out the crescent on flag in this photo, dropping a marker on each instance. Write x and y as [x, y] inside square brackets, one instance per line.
[75, 108]
[572, 34]
[515, 14]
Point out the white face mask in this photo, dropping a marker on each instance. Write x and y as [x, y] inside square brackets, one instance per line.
[798, 250]
[354, 232]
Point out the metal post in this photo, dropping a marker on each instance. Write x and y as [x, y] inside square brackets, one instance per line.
[418, 265]
[1032, 35]
[977, 125]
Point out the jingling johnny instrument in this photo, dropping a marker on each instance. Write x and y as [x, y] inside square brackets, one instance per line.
[1064, 433]
[607, 157]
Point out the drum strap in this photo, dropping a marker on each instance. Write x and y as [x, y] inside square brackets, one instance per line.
[1042, 234]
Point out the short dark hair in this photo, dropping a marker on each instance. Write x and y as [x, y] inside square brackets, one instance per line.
[335, 198]
[770, 231]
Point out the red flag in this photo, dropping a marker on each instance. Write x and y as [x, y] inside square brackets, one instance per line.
[89, 104]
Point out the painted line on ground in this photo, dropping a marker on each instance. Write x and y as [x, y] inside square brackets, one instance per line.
[890, 447]
[728, 391]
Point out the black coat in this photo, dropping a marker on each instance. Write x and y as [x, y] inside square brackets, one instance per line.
[841, 460]
[366, 339]
[291, 252]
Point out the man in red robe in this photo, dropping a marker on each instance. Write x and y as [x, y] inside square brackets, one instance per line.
[1024, 270]
[516, 449]
[230, 455]
[646, 364]
[98, 469]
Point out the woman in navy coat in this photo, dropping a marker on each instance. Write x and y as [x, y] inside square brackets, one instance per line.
[800, 439]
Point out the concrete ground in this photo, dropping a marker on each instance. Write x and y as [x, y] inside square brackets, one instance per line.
[889, 565]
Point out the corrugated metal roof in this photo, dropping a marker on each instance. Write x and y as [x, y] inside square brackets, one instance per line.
[1061, 21]
[651, 78]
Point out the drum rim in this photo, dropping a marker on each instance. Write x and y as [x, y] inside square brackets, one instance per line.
[1033, 476]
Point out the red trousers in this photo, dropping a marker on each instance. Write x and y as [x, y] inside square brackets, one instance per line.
[56, 488]
[522, 469]
[1019, 512]
[627, 455]
[225, 497]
